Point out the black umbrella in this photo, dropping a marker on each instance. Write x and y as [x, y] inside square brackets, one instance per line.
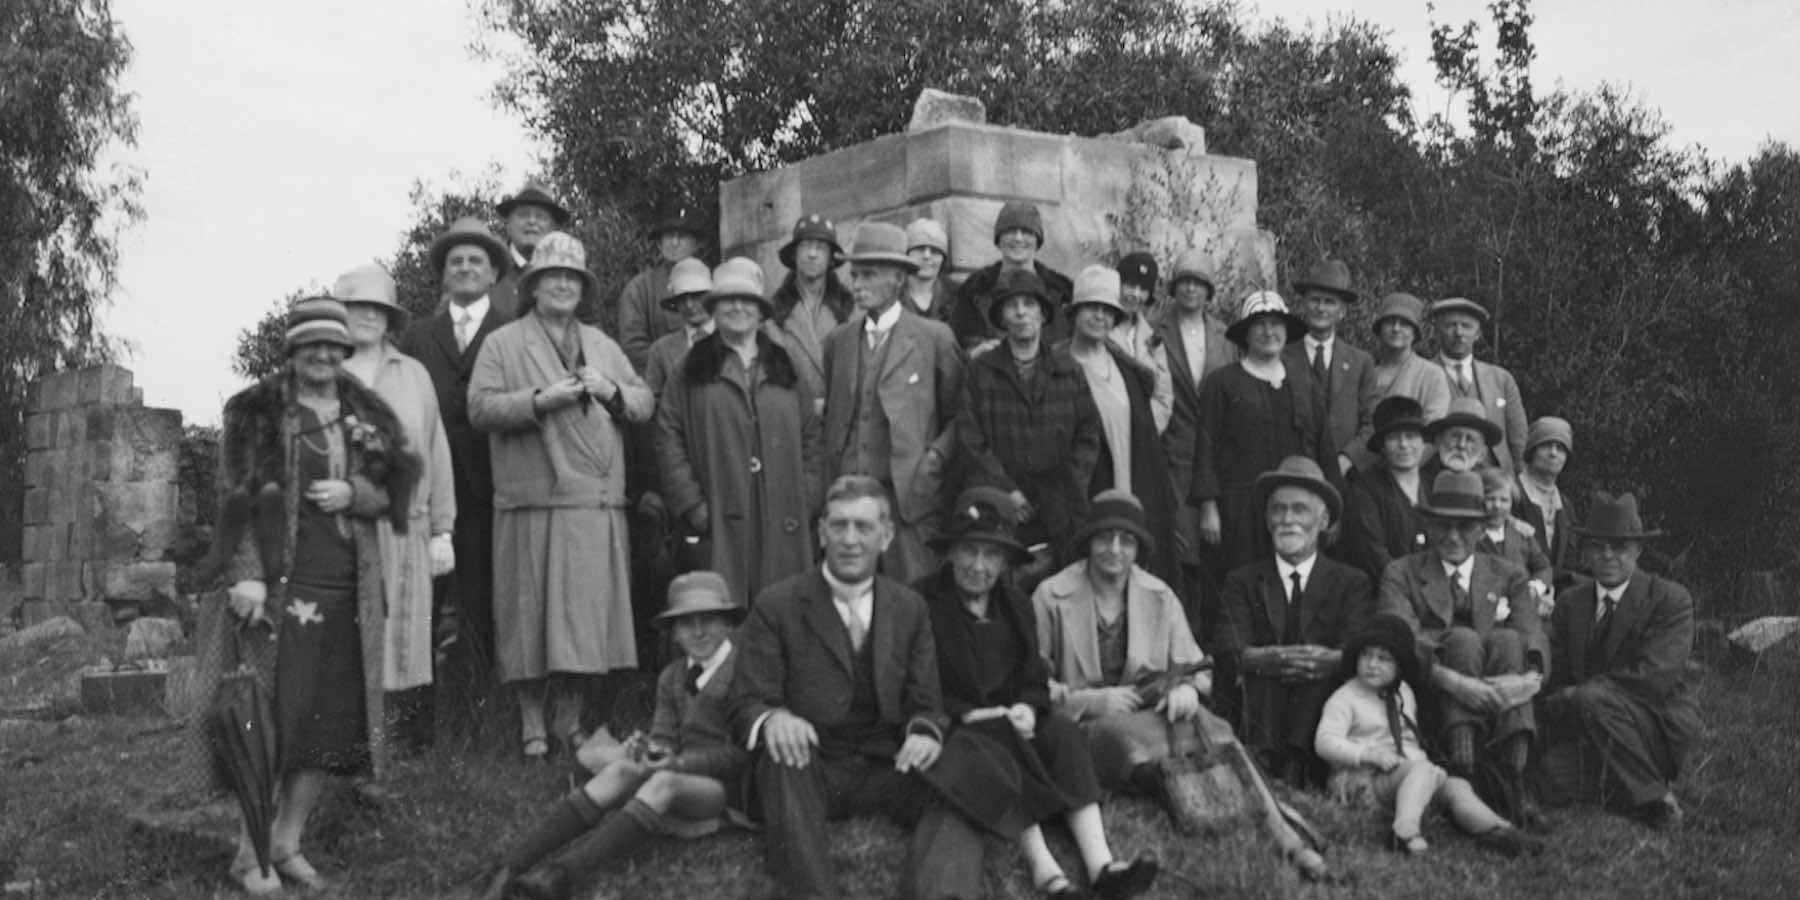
[240, 726]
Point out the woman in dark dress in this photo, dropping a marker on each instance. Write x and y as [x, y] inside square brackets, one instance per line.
[1381, 519]
[995, 683]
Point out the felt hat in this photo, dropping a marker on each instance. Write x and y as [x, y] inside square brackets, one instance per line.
[812, 227]
[1402, 306]
[1264, 303]
[1193, 265]
[739, 277]
[1098, 286]
[1110, 510]
[1013, 282]
[693, 593]
[985, 514]
[1139, 269]
[927, 233]
[314, 320]
[470, 230]
[1547, 429]
[1455, 496]
[878, 243]
[536, 194]
[1461, 305]
[676, 218]
[1615, 519]
[1391, 633]
[1396, 413]
[1330, 275]
[371, 284]
[1019, 216]
[558, 250]
[1465, 412]
[1300, 472]
[688, 276]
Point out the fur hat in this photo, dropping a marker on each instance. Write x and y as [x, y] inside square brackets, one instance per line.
[1019, 216]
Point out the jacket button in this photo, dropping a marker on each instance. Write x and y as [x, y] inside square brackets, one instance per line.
[755, 465]
[790, 525]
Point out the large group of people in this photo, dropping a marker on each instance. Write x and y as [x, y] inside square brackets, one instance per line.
[964, 555]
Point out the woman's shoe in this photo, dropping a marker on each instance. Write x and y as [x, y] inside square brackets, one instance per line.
[1409, 844]
[1059, 887]
[1117, 880]
[296, 869]
[536, 749]
[254, 881]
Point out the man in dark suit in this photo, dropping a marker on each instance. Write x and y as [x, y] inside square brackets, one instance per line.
[837, 698]
[1288, 618]
[468, 258]
[1342, 375]
[1618, 714]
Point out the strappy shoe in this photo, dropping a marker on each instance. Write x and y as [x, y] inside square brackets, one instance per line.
[296, 869]
[1059, 887]
[1409, 844]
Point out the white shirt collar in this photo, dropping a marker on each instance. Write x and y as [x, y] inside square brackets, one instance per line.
[1464, 571]
[882, 322]
[474, 312]
[519, 260]
[857, 599]
[712, 663]
[1287, 570]
[1313, 344]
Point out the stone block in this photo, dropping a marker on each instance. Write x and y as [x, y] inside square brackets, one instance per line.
[868, 176]
[148, 427]
[71, 428]
[105, 383]
[46, 543]
[139, 581]
[125, 460]
[40, 431]
[40, 468]
[32, 577]
[762, 206]
[58, 391]
[982, 161]
[65, 581]
[126, 692]
[935, 107]
[94, 616]
[43, 622]
[37, 506]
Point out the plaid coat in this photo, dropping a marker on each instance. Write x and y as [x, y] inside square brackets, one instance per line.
[1042, 442]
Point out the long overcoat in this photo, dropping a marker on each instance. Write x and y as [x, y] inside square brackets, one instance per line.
[1040, 438]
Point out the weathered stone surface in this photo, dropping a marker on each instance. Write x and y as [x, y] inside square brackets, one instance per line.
[31, 580]
[37, 506]
[152, 638]
[131, 580]
[42, 632]
[1759, 635]
[40, 431]
[106, 383]
[40, 468]
[58, 391]
[93, 615]
[125, 460]
[148, 427]
[12, 591]
[134, 520]
[935, 107]
[46, 543]
[63, 582]
[1167, 133]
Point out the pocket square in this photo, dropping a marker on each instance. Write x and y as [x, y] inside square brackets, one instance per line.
[913, 378]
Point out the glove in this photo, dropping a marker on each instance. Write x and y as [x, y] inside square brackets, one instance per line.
[443, 555]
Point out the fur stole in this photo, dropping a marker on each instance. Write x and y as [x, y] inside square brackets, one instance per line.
[706, 361]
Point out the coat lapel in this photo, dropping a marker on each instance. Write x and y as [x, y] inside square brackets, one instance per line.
[489, 324]
[822, 617]
[1317, 588]
[1140, 630]
[1484, 593]
[1274, 596]
[1628, 614]
[882, 639]
[1085, 626]
[443, 332]
[900, 347]
[1429, 570]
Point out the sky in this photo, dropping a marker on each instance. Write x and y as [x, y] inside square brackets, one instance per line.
[279, 141]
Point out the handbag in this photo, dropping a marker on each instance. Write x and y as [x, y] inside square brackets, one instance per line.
[1202, 787]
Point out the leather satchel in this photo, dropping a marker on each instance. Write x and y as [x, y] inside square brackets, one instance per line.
[1202, 787]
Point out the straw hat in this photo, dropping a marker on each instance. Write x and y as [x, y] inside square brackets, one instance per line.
[370, 284]
[1265, 303]
[1461, 305]
[1098, 286]
[689, 276]
[558, 251]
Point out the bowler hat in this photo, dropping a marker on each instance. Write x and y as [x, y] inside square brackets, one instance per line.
[878, 243]
[1391, 633]
[1019, 216]
[1300, 472]
[371, 284]
[812, 227]
[470, 230]
[1330, 275]
[1111, 510]
[1193, 265]
[693, 593]
[1455, 495]
[1139, 269]
[317, 320]
[984, 514]
[534, 193]
[1264, 303]
[676, 218]
[1615, 519]
[1098, 286]
[557, 251]
[1012, 283]
[1461, 305]
[927, 233]
[1402, 306]
[738, 277]
[1396, 413]
[1465, 412]
[1548, 429]
[687, 276]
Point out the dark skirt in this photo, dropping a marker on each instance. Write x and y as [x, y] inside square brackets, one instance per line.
[319, 683]
[1056, 774]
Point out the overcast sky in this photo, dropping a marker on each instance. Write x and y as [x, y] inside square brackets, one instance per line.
[279, 140]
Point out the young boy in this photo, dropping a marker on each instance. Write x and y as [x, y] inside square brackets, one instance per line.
[678, 781]
[1369, 735]
[1513, 539]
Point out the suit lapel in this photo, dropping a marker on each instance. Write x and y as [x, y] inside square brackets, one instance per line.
[1179, 368]
[1317, 588]
[1581, 627]
[881, 639]
[489, 323]
[1627, 614]
[822, 617]
[1436, 588]
[443, 333]
[900, 346]
[1482, 585]
[1274, 597]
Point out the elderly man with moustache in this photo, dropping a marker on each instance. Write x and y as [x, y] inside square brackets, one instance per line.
[1458, 323]
[643, 316]
[529, 215]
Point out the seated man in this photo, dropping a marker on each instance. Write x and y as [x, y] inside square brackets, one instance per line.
[1618, 715]
[1476, 618]
[678, 781]
[837, 696]
[1288, 617]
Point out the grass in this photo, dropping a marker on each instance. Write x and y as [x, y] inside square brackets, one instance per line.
[67, 788]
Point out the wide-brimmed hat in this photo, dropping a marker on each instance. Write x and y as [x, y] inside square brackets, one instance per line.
[1459, 304]
[1402, 306]
[1549, 429]
[927, 233]
[1013, 282]
[676, 218]
[739, 277]
[1456, 496]
[1265, 303]
[1615, 519]
[881, 244]
[1139, 269]
[536, 194]
[557, 250]
[371, 284]
[984, 514]
[1330, 275]
[1193, 265]
[1019, 216]
[1466, 412]
[1396, 413]
[1114, 509]
[688, 276]
[470, 230]
[315, 320]
[1098, 286]
[812, 227]
[1391, 633]
[1300, 472]
[693, 593]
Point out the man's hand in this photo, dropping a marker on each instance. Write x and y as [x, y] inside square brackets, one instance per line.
[247, 598]
[443, 555]
[918, 753]
[1023, 719]
[1181, 702]
[1209, 522]
[1310, 662]
[650, 507]
[699, 519]
[1475, 694]
[331, 495]
[790, 739]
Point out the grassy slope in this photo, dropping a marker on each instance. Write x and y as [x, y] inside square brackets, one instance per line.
[65, 791]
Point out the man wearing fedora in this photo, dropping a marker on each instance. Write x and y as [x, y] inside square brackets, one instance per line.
[1288, 617]
[811, 300]
[837, 699]
[1476, 618]
[893, 383]
[642, 316]
[1458, 324]
[467, 258]
[1019, 236]
[1464, 440]
[678, 780]
[1342, 375]
[1618, 713]
[529, 215]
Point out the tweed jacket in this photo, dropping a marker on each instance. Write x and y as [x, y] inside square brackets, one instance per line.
[698, 727]
[1350, 398]
[795, 654]
[1157, 637]
[959, 672]
[920, 389]
[1334, 606]
[1043, 443]
[432, 342]
[1499, 395]
[1415, 588]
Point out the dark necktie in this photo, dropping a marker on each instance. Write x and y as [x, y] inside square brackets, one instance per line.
[693, 678]
[1459, 598]
[1603, 623]
[1321, 387]
[1290, 626]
